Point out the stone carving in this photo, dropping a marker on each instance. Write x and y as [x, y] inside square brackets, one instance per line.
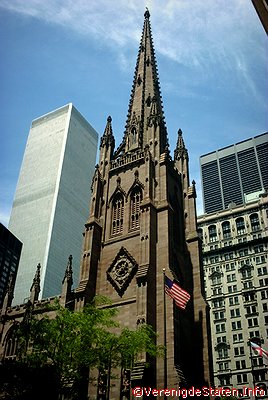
[122, 270]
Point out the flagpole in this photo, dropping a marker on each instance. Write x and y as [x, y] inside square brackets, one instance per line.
[252, 367]
[165, 334]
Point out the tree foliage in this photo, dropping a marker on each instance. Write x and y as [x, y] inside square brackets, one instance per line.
[71, 342]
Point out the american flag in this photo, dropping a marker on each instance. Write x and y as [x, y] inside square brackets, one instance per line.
[258, 350]
[179, 295]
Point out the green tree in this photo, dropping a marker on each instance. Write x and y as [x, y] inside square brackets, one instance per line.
[73, 342]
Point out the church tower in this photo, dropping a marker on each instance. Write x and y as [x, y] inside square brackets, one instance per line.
[142, 219]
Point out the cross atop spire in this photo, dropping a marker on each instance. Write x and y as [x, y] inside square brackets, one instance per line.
[145, 107]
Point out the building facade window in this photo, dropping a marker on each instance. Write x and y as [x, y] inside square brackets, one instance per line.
[252, 322]
[240, 226]
[117, 214]
[221, 339]
[242, 378]
[249, 297]
[231, 278]
[216, 279]
[212, 233]
[226, 230]
[218, 303]
[260, 260]
[223, 353]
[246, 273]
[239, 351]
[262, 271]
[224, 380]
[240, 364]
[236, 325]
[233, 300]
[135, 201]
[254, 221]
[232, 288]
[263, 282]
[235, 312]
[248, 285]
[259, 248]
[220, 328]
[219, 315]
[238, 337]
[223, 366]
[251, 310]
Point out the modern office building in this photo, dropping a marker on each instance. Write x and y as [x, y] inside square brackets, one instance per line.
[51, 199]
[10, 250]
[232, 174]
[235, 243]
[261, 7]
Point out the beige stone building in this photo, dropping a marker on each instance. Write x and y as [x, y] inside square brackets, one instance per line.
[235, 242]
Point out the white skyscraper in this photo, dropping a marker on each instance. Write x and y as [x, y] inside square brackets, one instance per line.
[52, 197]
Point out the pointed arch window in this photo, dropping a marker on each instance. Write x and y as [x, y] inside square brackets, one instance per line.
[117, 214]
[133, 136]
[135, 201]
[11, 344]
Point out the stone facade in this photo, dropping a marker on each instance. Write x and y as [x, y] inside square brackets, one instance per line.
[142, 219]
[235, 243]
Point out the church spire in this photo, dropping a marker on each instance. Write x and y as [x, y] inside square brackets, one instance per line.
[145, 112]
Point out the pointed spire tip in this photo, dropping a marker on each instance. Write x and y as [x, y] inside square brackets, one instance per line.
[147, 14]
[109, 119]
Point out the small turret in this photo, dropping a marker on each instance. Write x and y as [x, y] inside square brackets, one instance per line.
[67, 283]
[35, 288]
[107, 142]
[181, 159]
[8, 295]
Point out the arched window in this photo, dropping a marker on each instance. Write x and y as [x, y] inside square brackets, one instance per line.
[135, 201]
[255, 223]
[117, 214]
[11, 344]
[226, 230]
[133, 137]
[212, 232]
[240, 226]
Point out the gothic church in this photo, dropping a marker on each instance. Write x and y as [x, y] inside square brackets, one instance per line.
[142, 219]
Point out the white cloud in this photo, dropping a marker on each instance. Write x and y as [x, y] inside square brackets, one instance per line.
[205, 36]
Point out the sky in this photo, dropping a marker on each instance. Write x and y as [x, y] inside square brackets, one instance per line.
[212, 61]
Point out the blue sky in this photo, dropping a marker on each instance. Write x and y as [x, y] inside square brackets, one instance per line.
[212, 60]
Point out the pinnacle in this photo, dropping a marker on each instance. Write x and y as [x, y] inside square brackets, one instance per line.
[147, 14]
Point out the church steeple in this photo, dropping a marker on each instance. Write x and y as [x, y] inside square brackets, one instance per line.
[145, 119]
